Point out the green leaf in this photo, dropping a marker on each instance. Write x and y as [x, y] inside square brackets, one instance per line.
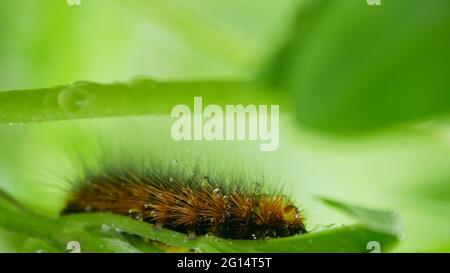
[354, 68]
[104, 232]
[383, 221]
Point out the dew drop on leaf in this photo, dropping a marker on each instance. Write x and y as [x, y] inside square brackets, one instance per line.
[73, 98]
[135, 214]
[105, 228]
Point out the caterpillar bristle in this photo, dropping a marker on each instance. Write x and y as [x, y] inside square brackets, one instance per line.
[193, 205]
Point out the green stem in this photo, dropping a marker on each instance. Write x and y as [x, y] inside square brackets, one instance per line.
[138, 97]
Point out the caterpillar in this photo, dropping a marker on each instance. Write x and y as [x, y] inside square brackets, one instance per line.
[195, 205]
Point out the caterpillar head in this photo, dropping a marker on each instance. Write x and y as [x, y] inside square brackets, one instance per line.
[276, 216]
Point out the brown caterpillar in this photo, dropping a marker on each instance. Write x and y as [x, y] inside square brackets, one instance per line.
[194, 205]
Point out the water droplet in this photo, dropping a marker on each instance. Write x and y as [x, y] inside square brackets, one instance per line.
[143, 81]
[217, 192]
[209, 234]
[254, 237]
[135, 214]
[191, 236]
[87, 208]
[73, 98]
[80, 83]
[147, 205]
[226, 198]
[105, 228]
[171, 179]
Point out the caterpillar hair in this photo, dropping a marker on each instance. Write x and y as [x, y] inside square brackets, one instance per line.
[196, 189]
[194, 205]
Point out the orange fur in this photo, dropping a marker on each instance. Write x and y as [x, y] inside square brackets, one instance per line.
[194, 207]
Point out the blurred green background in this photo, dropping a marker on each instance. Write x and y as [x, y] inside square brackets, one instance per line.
[368, 89]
